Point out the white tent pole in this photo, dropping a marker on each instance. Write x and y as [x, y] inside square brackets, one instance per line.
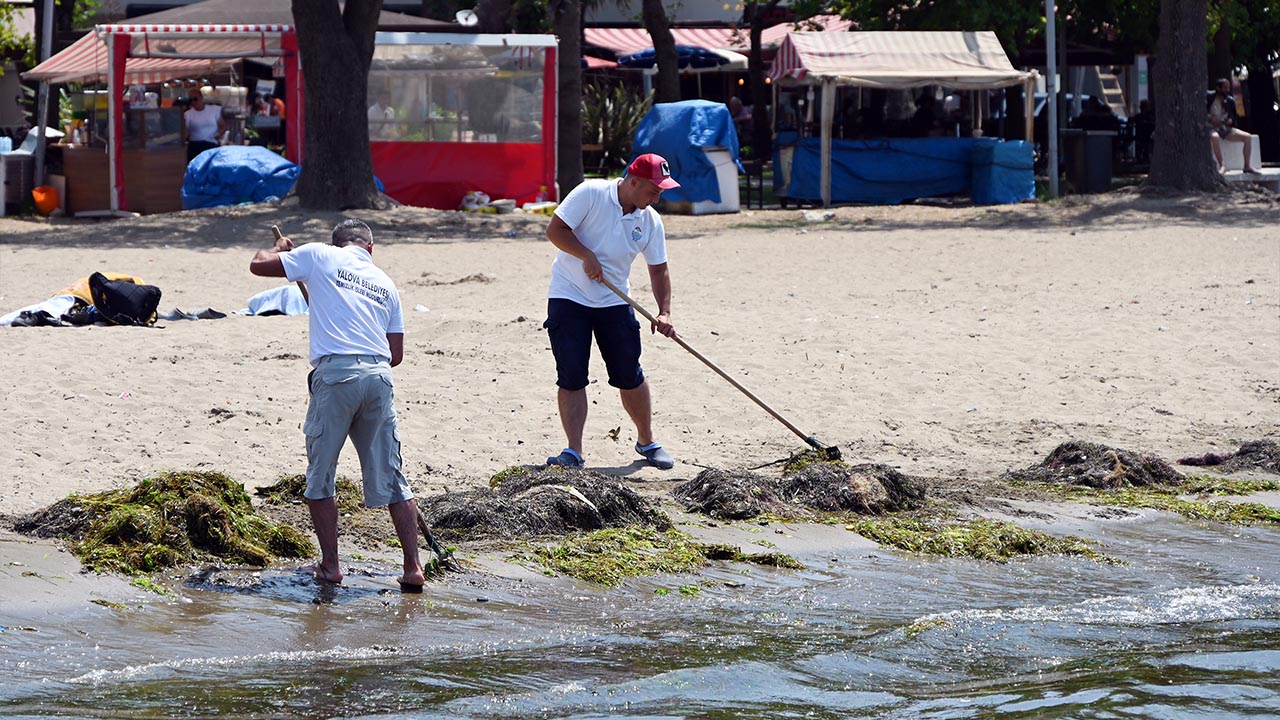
[828, 112]
[42, 95]
[1051, 93]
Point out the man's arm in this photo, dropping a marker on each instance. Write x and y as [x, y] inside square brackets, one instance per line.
[660, 279]
[396, 341]
[266, 262]
[561, 235]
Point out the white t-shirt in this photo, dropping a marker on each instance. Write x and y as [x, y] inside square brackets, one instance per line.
[354, 304]
[202, 125]
[594, 214]
[378, 115]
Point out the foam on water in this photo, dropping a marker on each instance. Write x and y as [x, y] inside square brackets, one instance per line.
[1180, 605]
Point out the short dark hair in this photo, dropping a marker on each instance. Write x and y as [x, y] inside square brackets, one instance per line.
[1222, 81]
[352, 231]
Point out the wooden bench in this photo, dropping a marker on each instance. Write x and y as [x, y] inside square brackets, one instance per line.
[1233, 159]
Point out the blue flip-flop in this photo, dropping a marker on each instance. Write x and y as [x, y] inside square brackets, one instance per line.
[656, 456]
[567, 458]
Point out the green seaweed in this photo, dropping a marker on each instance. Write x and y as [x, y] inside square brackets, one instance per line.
[805, 458]
[979, 538]
[609, 556]
[1170, 499]
[921, 626]
[510, 473]
[175, 518]
[288, 490]
[719, 551]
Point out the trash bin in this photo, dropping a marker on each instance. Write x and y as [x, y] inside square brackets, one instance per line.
[1088, 159]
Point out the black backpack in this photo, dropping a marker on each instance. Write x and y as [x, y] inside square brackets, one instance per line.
[121, 302]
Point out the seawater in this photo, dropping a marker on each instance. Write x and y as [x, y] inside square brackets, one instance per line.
[1189, 628]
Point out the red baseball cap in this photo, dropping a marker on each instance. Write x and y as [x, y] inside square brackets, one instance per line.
[653, 168]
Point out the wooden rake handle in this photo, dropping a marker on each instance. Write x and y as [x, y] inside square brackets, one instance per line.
[809, 439]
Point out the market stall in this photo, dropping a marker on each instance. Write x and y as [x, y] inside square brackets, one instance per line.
[452, 114]
[822, 63]
[131, 157]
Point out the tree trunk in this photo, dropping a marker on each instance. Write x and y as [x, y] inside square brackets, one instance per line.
[336, 48]
[1181, 158]
[1220, 63]
[494, 16]
[566, 18]
[666, 86]
[1263, 119]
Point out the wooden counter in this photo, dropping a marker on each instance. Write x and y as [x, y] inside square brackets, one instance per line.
[153, 179]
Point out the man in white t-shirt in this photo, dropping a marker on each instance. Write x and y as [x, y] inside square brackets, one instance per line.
[599, 228]
[381, 118]
[204, 124]
[356, 335]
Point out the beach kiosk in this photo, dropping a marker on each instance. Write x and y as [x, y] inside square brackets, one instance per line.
[454, 113]
[887, 170]
[140, 167]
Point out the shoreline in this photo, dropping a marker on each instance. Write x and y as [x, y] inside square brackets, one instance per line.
[950, 343]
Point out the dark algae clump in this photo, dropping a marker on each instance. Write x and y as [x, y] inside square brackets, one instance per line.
[1098, 466]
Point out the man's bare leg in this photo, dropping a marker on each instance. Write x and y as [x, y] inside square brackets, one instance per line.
[1248, 152]
[404, 515]
[1217, 152]
[573, 416]
[639, 406]
[324, 516]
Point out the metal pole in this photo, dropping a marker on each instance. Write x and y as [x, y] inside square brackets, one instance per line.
[42, 95]
[1051, 92]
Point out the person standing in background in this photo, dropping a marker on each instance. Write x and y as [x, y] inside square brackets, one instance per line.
[204, 124]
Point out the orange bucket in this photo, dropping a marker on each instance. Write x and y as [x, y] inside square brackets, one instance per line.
[46, 197]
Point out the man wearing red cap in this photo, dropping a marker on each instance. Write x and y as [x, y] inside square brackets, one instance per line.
[599, 229]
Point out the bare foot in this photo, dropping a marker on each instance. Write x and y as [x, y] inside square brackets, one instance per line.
[1250, 171]
[1222, 169]
[322, 574]
[412, 581]
[413, 578]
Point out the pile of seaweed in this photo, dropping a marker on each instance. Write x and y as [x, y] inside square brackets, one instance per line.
[1253, 455]
[530, 502]
[815, 487]
[1099, 466]
[164, 521]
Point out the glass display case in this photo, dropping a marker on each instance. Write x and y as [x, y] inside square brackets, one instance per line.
[152, 128]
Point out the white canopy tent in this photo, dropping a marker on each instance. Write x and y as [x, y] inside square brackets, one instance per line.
[894, 60]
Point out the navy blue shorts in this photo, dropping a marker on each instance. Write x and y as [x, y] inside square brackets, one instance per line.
[617, 333]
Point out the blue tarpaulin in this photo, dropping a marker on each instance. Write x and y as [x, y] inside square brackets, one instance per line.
[891, 171]
[678, 132]
[236, 174]
[1003, 173]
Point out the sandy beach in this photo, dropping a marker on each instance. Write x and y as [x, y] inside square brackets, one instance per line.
[951, 342]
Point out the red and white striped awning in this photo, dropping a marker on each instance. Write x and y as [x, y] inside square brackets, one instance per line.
[595, 63]
[161, 52]
[897, 59]
[625, 41]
